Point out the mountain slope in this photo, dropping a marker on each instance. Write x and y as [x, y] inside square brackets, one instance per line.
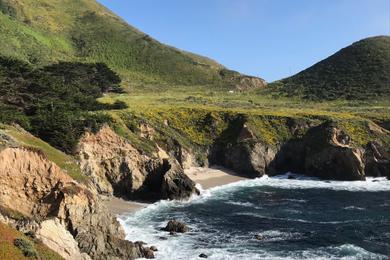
[43, 31]
[359, 71]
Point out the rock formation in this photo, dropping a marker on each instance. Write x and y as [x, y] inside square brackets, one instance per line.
[323, 151]
[116, 167]
[176, 227]
[58, 210]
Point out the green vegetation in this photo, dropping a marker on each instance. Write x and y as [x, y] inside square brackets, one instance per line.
[44, 31]
[54, 102]
[359, 71]
[59, 102]
[195, 119]
[26, 246]
[17, 246]
[10, 213]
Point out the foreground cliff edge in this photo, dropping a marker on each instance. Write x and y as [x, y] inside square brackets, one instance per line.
[39, 198]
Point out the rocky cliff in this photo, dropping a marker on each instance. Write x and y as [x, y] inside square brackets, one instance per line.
[323, 151]
[257, 143]
[37, 196]
[117, 168]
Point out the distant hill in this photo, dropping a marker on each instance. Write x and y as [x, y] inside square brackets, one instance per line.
[359, 71]
[43, 31]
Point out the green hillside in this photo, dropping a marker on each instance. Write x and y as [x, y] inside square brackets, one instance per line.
[359, 71]
[43, 31]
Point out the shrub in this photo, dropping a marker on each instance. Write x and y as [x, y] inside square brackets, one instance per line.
[119, 105]
[26, 246]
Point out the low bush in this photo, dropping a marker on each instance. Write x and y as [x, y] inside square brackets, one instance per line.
[26, 246]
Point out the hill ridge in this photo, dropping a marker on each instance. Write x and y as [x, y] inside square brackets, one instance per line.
[358, 71]
[42, 32]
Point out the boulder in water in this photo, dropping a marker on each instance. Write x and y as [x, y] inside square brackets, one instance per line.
[203, 256]
[175, 226]
[148, 253]
[259, 237]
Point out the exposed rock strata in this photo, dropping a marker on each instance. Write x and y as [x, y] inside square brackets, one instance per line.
[329, 155]
[247, 83]
[324, 151]
[116, 167]
[51, 201]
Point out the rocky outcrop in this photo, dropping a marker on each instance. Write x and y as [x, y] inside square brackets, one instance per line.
[176, 184]
[55, 236]
[55, 207]
[249, 158]
[117, 168]
[247, 83]
[377, 159]
[176, 227]
[241, 82]
[244, 153]
[329, 155]
[323, 151]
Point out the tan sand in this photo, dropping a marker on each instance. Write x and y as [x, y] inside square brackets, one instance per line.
[207, 177]
[212, 177]
[118, 206]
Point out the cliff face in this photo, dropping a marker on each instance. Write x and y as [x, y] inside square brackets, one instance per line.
[36, 195]
[255, 143]
[324, 151]
[116, 167]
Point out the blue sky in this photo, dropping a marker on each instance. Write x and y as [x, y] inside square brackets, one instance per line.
[271, 39]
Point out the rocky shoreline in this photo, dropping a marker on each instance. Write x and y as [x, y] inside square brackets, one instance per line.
[206, 177]
[57, 208]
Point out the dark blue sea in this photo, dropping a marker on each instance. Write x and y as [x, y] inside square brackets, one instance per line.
[296, 218]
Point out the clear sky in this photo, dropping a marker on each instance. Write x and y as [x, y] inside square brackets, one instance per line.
[271, 39]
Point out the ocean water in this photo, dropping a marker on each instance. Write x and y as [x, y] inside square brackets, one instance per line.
[299, 218]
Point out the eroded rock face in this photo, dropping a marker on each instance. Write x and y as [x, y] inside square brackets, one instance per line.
[55, 236]
[338, 163]
[329, 156]
[377, 160]
[176, 184]
[29, 178]
[247, 83]
[116, 167]
[245, 154]
[324, 151]
[38, 189]
[250, 158]
[111, 162]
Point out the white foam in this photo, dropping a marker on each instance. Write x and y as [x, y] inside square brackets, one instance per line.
[143, 226]
[353, 208]
[304, 182]
[243, 204]
[276, 235]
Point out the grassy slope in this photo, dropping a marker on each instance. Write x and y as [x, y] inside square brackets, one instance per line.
[359, 71]
[42, 31]
[9, 251]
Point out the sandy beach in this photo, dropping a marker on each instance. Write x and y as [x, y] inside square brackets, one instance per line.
[212, 177]
[118, 206]
[206, 177]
